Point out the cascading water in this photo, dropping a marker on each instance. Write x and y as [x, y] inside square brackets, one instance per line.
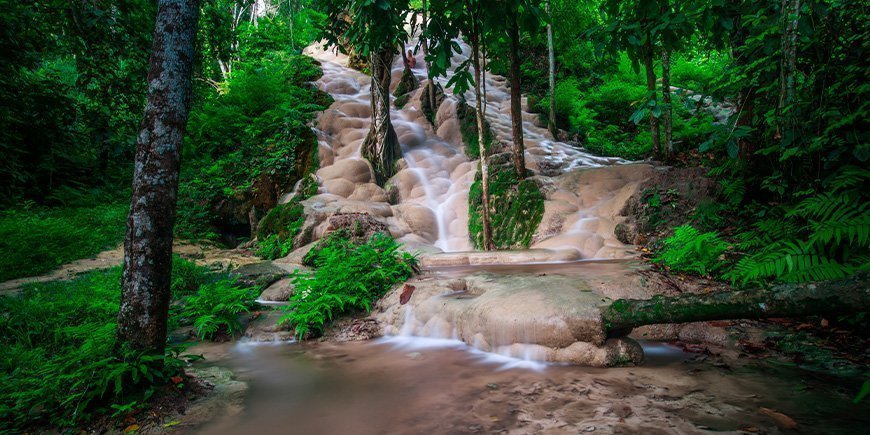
[431, 213]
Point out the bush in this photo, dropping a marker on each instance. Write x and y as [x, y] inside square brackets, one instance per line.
[215, 308]
[689, 250]
[35, 240]
[60, 366]
[249, 143]
[58, 361]
[347, 277]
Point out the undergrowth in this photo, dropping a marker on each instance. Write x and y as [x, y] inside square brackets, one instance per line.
[35, 240]
[347, 277]
[60, 363]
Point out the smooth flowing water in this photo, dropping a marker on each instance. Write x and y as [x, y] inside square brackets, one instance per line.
[389, 388]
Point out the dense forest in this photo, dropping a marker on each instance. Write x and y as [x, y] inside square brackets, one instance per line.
[753, 113]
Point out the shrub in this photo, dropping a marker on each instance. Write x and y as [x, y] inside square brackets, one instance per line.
[59, 362]
[689, 250]
[249, 142]
[347, 277]
[215, 308]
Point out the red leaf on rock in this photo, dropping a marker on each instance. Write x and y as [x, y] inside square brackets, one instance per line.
[407, 291]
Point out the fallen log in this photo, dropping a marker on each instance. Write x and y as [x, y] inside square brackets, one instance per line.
[850, 295]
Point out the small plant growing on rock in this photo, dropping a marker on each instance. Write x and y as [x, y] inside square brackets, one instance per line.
[348, 276]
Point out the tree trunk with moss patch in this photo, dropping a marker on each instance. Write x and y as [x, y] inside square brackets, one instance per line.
[649, 65]
[148, 245]
[789, 300]
[519, 149]
[484, 166]
[667, 113]
[381, 145]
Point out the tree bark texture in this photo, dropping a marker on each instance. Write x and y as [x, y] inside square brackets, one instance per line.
[788, 300]
[651, 90]
[381, 145]
[519, 149]
[667, 113]
[430, 84]
[790, 10]
[552, 61]
[148, 244]
[484, 166]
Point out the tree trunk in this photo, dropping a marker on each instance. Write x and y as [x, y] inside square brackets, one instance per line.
[789, 300]
[381, 145]
[484, 166]
[744, 96]
[552, 60]
[519, 149]
[790, 10]
[667, 113]
[651, 91]
[430, 85]
[148, 245]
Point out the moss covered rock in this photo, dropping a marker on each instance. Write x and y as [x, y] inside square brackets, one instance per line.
[468, 128]
[516, 207]
[277, 231]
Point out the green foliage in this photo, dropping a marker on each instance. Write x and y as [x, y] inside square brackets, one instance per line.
[36, 239]
[601, 115]
[516, 208]
[59, 363]
[250, 141]
[72, 90]
[825, 235]
[689, 250]
[215, 308]
[348, 276]
[468, 129]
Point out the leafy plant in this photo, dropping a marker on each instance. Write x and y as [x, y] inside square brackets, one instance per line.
[347, 277]
[689, 250]
[215, 308]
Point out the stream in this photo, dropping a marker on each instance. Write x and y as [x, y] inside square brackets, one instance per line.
[420, 378]
[383, 387]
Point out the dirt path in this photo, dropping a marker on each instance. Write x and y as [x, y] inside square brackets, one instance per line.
[202, 253]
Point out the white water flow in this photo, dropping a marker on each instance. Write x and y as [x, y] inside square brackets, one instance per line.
[434, 179]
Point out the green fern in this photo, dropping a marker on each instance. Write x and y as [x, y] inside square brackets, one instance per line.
[689, 250]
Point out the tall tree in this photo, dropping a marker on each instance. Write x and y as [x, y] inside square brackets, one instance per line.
[450, 19]
[373, 29]
[148, 245]
[551, 56]
[518, 147]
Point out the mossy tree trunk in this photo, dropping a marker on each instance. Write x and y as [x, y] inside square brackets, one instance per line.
[146, 278]
[649, 65]
[788, 300]
[666, 99]
[481, 143]
[381, 145]
[519, 149]
[430, 85]
[551, 125]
